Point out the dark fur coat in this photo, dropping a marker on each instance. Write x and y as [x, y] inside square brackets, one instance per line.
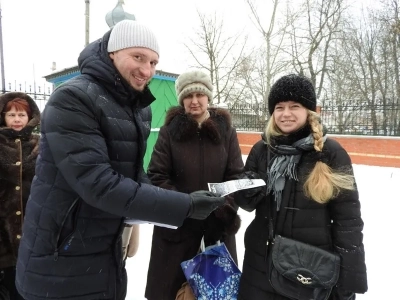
[186, 158]
[18, 152]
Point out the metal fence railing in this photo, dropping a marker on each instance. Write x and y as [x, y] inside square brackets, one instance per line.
[380, 120]
[249, 117]
[39, 93]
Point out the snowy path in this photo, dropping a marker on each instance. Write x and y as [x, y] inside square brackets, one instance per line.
[380, 200]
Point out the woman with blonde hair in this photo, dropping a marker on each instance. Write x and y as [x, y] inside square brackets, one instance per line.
[310, 195]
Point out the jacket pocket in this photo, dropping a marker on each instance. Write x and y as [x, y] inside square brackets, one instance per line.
[67, 228]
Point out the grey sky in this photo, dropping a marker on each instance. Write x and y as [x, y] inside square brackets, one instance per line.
[38, 32]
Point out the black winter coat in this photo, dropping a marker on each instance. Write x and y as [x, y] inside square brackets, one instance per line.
[89, 177]
[336, 226]
[186, 158]
[18, 153]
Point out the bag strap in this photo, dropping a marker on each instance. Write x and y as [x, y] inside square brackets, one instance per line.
[203, 244]
[271, 213]
[271, 225]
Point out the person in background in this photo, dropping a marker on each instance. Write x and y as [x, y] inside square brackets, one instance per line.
[18, 152]
[312, 173]
[89, 175]
[197, 145]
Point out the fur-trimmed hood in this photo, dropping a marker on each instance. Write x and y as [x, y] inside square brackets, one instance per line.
[18, 153]
[181, 125]
[33, 122]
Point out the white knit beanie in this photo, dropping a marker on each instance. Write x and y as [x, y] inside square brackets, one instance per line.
[128, 33]
[193, 81]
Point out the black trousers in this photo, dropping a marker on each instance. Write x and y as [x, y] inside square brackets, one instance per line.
[8, 290]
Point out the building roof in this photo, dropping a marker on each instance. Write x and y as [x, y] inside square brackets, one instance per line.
[62, 72]
[75, 69]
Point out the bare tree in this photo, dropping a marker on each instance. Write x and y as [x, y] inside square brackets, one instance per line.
[353, 59]
[339, 94]
[390, 18]
[313, 29]
[220, 55]
[267, 62]
[367, 51]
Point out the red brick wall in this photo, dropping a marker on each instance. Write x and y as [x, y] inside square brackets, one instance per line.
[365, 150]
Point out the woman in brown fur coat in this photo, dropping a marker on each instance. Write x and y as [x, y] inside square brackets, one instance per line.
[18, 152]
[197, 145]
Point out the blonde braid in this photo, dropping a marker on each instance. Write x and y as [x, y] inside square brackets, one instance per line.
[323, 184]
[316, 127]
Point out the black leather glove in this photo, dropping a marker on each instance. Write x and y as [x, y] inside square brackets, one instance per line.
[249, 193]
[248, 199]
[203, 203]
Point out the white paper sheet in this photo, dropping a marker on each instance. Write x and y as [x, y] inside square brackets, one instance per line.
[135, 221]
[228, 187]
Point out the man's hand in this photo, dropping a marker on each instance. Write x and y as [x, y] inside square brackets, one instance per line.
[202, 203]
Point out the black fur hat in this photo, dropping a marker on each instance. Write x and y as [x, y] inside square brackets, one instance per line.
[292, 88]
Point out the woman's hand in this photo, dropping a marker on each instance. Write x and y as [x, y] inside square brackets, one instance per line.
[249, 199]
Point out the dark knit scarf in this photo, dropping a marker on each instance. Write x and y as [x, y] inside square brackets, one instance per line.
[286, 159]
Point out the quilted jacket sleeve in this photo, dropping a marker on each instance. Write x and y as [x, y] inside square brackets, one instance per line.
[79, 150]
[245, 200]
[347, 227]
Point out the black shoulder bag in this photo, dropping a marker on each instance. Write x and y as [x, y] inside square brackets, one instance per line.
[297, 270]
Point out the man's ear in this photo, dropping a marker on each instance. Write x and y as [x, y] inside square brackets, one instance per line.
[111, 54]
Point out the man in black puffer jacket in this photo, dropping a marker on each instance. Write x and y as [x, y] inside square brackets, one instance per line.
[90, 177]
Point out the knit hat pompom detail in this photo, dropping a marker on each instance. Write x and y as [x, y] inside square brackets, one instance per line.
[295, 88]
[128, 34]
[193, 81]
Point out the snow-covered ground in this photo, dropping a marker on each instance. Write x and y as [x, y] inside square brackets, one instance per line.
[379, 189]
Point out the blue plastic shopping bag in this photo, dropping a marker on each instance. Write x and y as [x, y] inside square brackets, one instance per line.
[213, 274]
